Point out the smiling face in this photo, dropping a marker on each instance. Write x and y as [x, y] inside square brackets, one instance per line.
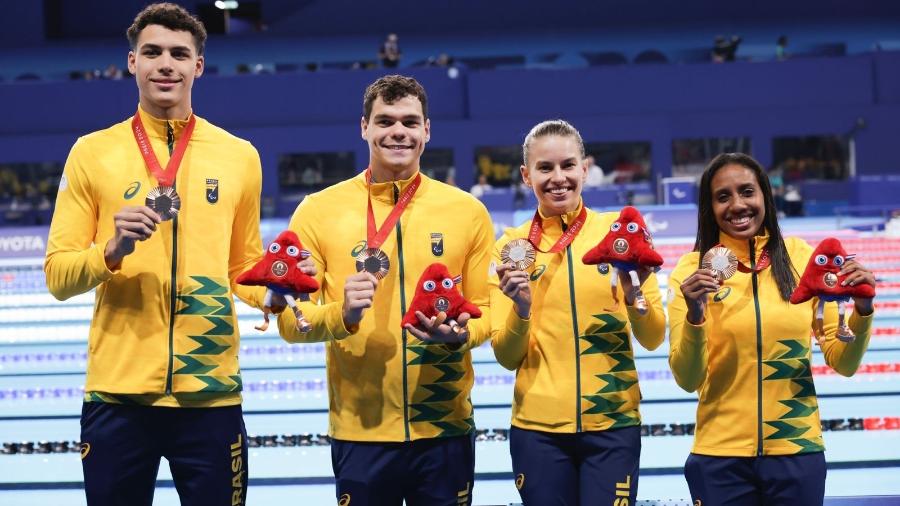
[738, 203]
[397, 134]
[165, 63]
[556, 173]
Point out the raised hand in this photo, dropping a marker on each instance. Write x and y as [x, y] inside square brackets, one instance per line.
[856, 274]
[133, 223]
[439, 329]
[696, 289]
[359, 291]
[516, 285]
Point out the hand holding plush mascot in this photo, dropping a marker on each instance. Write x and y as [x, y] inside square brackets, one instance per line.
[626, 247]
[822, 279]
[278, 271]
[437, 296]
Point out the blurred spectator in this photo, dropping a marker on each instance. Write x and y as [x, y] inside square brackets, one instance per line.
[892, 227]
[389, 54]
[627, 171]
[594, 172]
[442, 60]
[112, 72]
[451, 176]
[793, 201]
[311, 177]
[781, 48]
[518, 195]
[725, 49]
[776, 179]
[479, 189]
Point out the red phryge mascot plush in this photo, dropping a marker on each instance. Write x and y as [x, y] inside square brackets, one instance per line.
[820, 279]
[278, 272]
[436, 292]
[627, 246]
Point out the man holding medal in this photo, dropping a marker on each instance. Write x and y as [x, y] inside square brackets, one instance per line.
[400, 418]
[159, 213]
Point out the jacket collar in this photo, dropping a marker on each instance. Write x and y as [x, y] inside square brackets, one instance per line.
[384, 192]
[741, 248]
[156, 127]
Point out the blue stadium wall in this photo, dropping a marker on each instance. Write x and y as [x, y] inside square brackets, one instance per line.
[316, 112]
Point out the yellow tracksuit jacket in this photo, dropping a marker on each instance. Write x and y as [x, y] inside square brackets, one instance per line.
[384, 384]
[573, 356]
[164, 330]
[750, 358]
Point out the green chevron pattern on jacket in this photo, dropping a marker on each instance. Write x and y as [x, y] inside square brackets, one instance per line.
[615, 383]
[788, 369]
[624, 362]
[428, 354]
[209, 345]
[798, 409]
[195, 365]
[602, 404]
[795, 349]
[440, 393]
[208, 286]
[786, 430]
[221, 383]
[622, 420]
[806, 387]
[449, 373]
[428, 413]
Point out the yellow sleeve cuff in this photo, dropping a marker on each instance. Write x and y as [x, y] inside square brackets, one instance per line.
[516, 326]
[861, 325]
[334, 321]
[694, 333]
[97, 264]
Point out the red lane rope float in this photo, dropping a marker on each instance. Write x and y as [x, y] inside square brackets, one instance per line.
[869, 368]
[882, 423]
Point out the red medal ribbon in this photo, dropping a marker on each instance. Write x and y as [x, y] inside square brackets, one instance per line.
[761, 263]
[375, 236]
[537, 229]
[163, 177]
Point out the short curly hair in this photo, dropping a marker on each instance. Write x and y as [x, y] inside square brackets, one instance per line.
[169, 15]
[391, 89]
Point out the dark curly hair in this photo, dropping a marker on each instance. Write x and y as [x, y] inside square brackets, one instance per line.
[391, 89]
[174, 17]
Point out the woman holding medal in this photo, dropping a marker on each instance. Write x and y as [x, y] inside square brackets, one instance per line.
[738, 342]
[575, 422]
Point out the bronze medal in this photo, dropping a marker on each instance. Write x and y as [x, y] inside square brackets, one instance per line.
[374, 261]
[518, 252]
[441, 305]
[164, 200]
[722, 261]
[620, 245]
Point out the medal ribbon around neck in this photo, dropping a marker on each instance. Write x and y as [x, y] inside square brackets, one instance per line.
[163, 177]
[537, 229]
[761, 263]
[375, 236]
